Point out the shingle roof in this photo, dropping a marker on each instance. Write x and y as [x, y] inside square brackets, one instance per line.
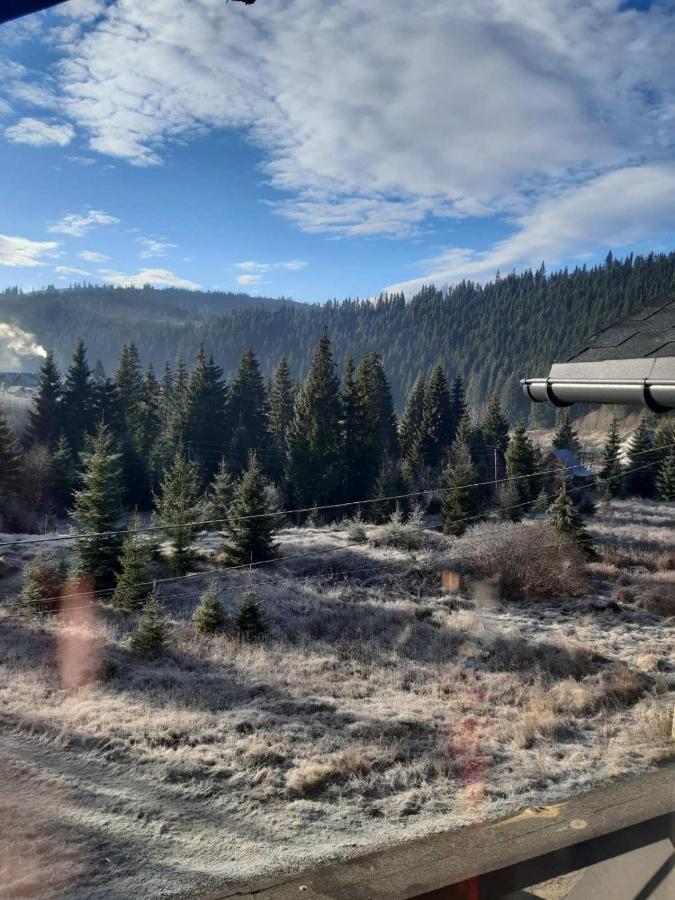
[571, 463]
[649, 333]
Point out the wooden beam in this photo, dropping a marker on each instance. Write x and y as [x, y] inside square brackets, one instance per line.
[491, 859]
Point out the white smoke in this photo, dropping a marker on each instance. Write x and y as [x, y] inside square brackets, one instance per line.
[15, 346]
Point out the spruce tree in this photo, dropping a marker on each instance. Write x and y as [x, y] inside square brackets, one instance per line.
[204, 418]
[640, 475]
[281, 402]
[209, 616]
[63, 477]
[437, 430]
[78, 402]
[249, 622]
[459, 409]
[567, 522]
[565, 437]
[249, 529]
[10, 462]
[221, 494]
[150, 430]
[461, 498]
[44, 425]
[410, 427]
[611, 462]
[98, 508]
[494, 427]
[247, 414]
[314, 445]
[129, 383]
[352, 433]
[509, 503]
[520, 462]
[42, 582]
[178, 505]
[665, 480]
[133, 587]
[152, 634]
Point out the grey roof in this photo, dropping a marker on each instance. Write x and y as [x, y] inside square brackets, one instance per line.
[571, 462]
[649, 333]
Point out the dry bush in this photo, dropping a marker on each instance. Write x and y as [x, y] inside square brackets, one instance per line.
[522, 559]
[666, 561]
[313, 776]
[659, 599]
[620, 686]
[515, 654]
[634, 557]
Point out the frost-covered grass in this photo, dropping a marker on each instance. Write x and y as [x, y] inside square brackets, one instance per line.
[377, 709]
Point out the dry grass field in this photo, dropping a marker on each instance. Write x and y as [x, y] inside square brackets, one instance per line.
[377, 708]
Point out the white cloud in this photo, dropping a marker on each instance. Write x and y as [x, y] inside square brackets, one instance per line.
[161, 277]
[78, 224]
[38, 133]
[293, 265]
[250, 279]
[20, 252]
[154, 248]
[15, 344]
[32, 93]
[92, 256]
[255, 271]
[376, 117]
[70, 270]
[610, 211]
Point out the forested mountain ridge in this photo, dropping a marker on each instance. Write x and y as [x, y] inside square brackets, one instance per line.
[491, 334]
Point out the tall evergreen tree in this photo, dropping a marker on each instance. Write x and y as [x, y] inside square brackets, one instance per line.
[520, 462]
[437, 419]
[221, 493]
[665, 480]
[78, 403]
[640, 475]
[567, 522]
[494, 427]
[176, 412]
[133, 586]
[250, 531]
[10, 463]
[129, 383]
[461, 497]
[314, 446]
[63, 477]
[178, 505]
[410, 427]
[98, 508]
[565, 437]
[205, 411]
[45, 423]
[352, 434]
[611, 460]
[459, 409]
[247, 415]
[282, 398]
[150, 429]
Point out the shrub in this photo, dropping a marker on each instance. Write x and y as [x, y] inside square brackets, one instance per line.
[523, 561]
[43, 579]
[660, 600]
[249, 623]
[152, 633]
[209, 616]
[356, 531]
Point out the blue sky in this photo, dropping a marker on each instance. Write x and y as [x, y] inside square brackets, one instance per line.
[331, 148]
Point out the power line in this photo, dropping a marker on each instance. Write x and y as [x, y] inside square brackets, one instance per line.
[222, 572]
[307, 509]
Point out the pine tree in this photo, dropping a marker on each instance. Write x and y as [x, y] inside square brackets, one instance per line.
[10, 462]
[63, 477]
[45, 423]
[351, 429]
[409, 432]
[150, 430]
[459, 409]
[282, 399]
[665, 480]
[209, 616]
[640, 475]
[176, 413]
[129, 383]
[509, 503]
[390, 483]
[611, 462]
[314, 446]
[494, 427]
[98, 508]
[204, 422]
[221, 494]
[42, 582]
[520, 462]
[78, 402]
[567, 522]
[249, 622]
[461, 497]
[152, 634]
[178, 505]
[133, 588]
[437, 429]
[249, 530]
[565, 437]
[246, 414]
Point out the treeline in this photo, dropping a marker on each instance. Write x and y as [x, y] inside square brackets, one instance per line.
[491, 334]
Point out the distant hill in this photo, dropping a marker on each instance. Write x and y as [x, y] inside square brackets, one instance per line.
[491, 334]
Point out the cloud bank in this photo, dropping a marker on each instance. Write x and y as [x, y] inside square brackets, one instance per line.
[18, 252]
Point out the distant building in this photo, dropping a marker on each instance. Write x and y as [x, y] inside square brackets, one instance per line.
[19, 384]
[568, 462]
